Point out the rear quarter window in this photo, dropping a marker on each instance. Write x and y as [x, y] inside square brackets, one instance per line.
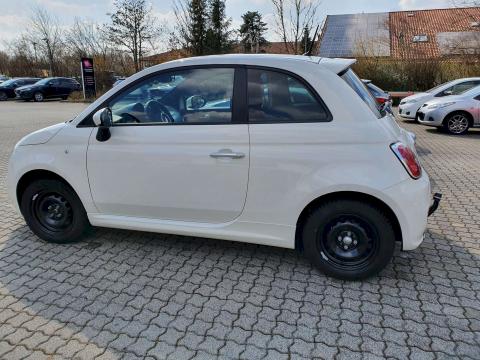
[359, 87]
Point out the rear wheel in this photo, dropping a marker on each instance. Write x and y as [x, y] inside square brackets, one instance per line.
[348, 239]
[3, 96]
[38, 97]
[457, 124]
[53, 211]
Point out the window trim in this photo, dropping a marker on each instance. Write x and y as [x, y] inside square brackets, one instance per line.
[303, 82]
[236, 108]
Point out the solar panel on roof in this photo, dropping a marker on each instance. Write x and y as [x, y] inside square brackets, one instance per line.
[350, 35]
[459, 43]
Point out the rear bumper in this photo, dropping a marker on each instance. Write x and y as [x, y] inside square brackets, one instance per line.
[411, 201]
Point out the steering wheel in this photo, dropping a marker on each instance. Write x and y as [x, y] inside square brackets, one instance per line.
[156, 110]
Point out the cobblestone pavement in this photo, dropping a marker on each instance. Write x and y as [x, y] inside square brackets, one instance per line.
[128, 295]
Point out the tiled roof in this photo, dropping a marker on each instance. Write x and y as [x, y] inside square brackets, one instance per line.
[405, 25]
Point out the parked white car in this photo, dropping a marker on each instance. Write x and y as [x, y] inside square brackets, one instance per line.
[410, 105]
[456, 113]
[287, 151]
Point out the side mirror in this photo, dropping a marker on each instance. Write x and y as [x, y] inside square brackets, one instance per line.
[103, 120]
[195, 102]
[103, 117]
[447, 93]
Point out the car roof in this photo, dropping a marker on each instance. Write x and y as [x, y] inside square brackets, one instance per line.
[335, 65]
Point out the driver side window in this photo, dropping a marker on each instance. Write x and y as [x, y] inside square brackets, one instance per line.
[193, 96]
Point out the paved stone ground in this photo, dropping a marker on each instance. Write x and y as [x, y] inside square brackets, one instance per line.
[128, 295]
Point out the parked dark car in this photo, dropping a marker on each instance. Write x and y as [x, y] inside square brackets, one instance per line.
[7, 88]
[54, 87]
[383, 98]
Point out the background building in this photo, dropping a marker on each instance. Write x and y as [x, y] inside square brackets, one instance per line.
[421, 34]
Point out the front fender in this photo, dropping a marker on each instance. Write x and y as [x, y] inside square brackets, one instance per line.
[63, 155]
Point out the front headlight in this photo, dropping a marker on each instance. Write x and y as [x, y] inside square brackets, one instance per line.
[439, 106]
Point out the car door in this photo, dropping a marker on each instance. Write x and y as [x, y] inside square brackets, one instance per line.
[179, 149]
[51, 88]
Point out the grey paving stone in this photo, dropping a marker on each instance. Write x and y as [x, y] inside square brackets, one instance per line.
[122, 294]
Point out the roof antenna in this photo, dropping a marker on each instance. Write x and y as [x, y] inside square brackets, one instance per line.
[309, 52]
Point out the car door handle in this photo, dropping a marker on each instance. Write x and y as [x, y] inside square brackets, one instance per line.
[227, 154]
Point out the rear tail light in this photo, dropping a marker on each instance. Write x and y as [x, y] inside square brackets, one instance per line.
[381, 100]
[408, 159]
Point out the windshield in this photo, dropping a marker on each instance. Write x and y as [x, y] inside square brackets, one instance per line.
[436, 88]
[8, 82]
[359, 87]
[44, 81]
[472, 91]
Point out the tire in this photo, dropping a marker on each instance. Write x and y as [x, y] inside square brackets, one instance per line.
[38, 97]
[348, 240]
[64, 97]
[54, 212]
[3, 96]
[456, 123]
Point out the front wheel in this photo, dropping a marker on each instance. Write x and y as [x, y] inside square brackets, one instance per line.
[348, 240]
[53, 211]
[3, 96]
[456, 124]
[38, 96]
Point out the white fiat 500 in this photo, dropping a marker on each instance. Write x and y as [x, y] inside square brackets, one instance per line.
[285, 151]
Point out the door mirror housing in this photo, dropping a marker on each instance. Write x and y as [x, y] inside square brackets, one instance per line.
[103, 117]
[103, 120]
[447, 93]
[195, 102]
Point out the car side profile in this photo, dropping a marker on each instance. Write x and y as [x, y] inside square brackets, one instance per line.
[410, 105]
[48, 88]
[455, 114]
[286, 151]
[7, 88]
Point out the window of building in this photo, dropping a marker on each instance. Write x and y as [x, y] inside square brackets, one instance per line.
[420, 38]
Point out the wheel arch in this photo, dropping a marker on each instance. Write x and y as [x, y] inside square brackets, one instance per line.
[33, 175]
[465, 112]
[346, 195]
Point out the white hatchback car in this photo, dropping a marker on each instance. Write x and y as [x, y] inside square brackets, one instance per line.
[456, 113]
[410, 105]
[286, 151]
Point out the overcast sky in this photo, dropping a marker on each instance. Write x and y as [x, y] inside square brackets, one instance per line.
[15, 13]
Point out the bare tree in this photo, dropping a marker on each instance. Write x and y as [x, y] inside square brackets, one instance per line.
[46, 36]
[292, 17]
[85, 38]
[134, 28]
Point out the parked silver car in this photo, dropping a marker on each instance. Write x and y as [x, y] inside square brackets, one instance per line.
[455, 113]
[410, 105]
